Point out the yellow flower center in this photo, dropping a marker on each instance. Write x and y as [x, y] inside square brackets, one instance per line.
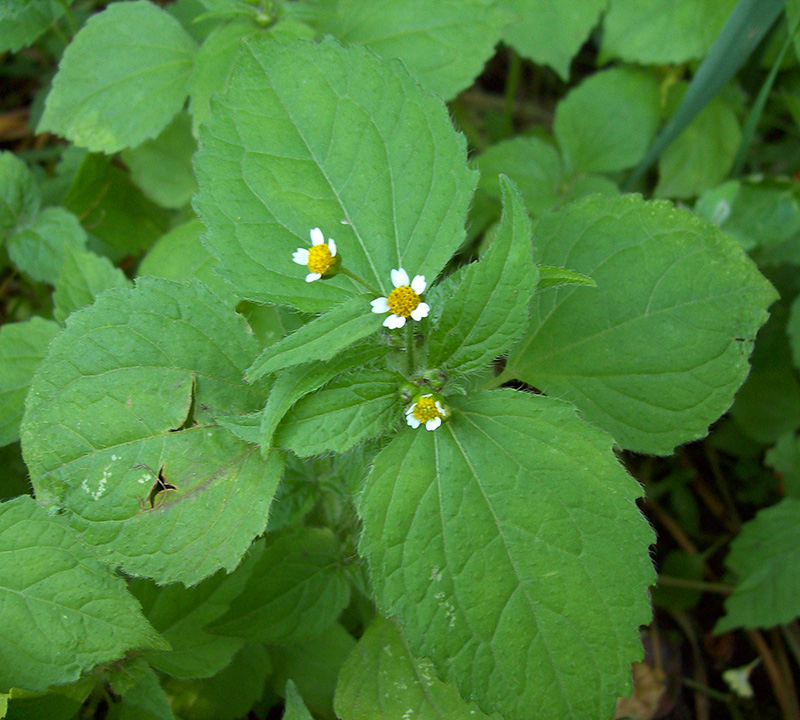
[426, 409]
[402, 301]
[319, 258]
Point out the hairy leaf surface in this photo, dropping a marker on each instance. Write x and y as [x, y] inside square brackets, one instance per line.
[517, 494]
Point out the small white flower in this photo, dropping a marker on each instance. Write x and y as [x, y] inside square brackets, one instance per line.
[320, 258]
[426, 409]
[738, 679]
[404, 301]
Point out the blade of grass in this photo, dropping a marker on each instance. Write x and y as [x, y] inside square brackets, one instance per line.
[744, 29]
[749, 129]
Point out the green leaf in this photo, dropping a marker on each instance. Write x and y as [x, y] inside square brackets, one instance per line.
[180, 255]
[162, 168]
[768, 403]
[766, 559]
[182, 614]
[656, 351]
[349, 410]
[550, 277]
[784, 458]
[498, 540]
[296, 591]
[213, 65]
[23, 346]
[321, 339]
[113, 209]
[295, 707]
[313, 666]
[533, 164]
[100, 432]
[296, 382]
[63, 612]
[138, 684]
[488, 311]
[226, 696]
[322, 136]
[60, 702]
[23, 21]
[382, 679]
[661, 32]
[443, 43]
[83, 277]
[19, 194]
[702, 155]
[121, 80]
[551, 33]
[40, 248]
[608, 121]
[756, 211]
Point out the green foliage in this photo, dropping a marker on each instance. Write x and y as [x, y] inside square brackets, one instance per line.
[534, 481]
[83, 276]
[766, 561]
[19, 195]
[122, 79]
[22, 21]
[601, 347]
[63, 611]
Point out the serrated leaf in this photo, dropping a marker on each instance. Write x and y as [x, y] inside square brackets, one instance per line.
[444, 43]
[551, 33]
[382, 679]
[313, 666]
[182, 614]
[162, 167]
[180, 255]
[294, 383]
[661, 32]
[766, 559]
[488, 311]
[229, 694]
[126, 397]
[510, 546]
[19, 194]
[654, 353]
[40, 248]
[322, 136]
[122, 78]
[82, 278]
[321, 339]
[703, 154]
[23, 21]
[349, 410]
[63, 612]
[296, 591]
[295, 707]
[608, 121]
[137, 683]
[23, 346]
[113, 209]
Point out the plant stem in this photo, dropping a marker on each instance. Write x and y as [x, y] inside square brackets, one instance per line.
[363, 283]
[512, 85]
[790, 635]
[410, 348]
[695, 585]
[73, 27]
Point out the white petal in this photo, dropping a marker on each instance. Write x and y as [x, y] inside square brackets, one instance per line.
[313, 276]
[300, 256]
[380, 305]
[394, 322]
[317, 238]
[433, 424]
[418, 284]
[413, 421]
[411, 409]
[426, 395]
[439, 407]
[399, 277]
[420, 311]
[332, 247]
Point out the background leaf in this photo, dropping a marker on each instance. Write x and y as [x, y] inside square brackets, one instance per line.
[322, 136]
[295, 707]
[443, 43]
[92, 422]
[654, 353]
[766, 559]
[19, 194]
[517, 494]
[63, 612]
[121, 80]
[23, 21]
